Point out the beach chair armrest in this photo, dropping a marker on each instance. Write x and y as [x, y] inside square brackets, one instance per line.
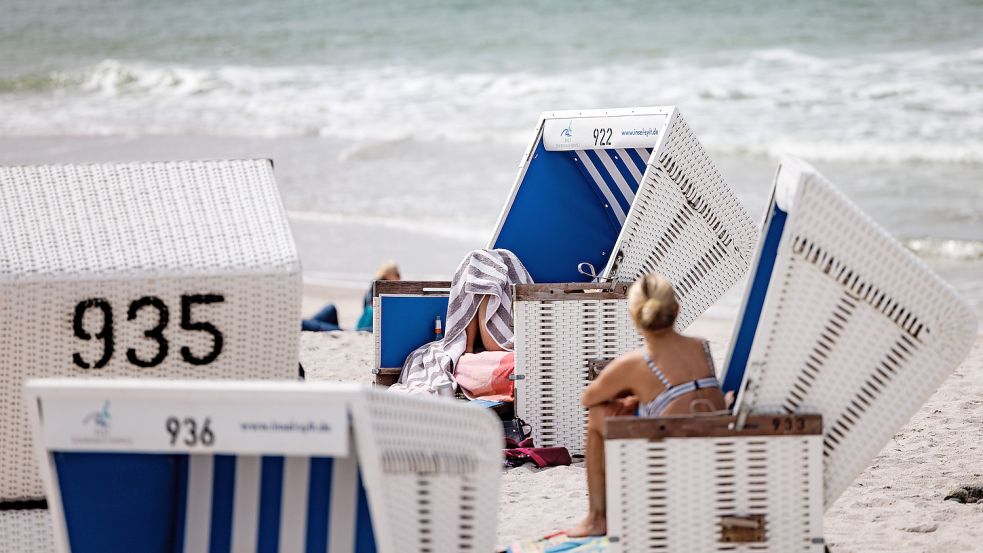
[547, 292]
[414, 287]
[710, 425]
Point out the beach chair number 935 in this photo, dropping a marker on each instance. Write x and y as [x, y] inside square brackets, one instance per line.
[105, 333]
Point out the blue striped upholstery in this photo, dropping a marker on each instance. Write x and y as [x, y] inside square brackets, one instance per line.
[220, 503]
[615, 176]
[569, 209]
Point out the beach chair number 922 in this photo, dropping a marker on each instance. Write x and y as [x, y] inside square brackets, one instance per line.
[156, 333]
[602, 137]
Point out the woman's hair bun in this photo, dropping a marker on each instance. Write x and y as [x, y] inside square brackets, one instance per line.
[652, 302]
[650, 310]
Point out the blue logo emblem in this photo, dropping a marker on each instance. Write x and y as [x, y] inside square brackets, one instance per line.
[99, 418]
[568, 132]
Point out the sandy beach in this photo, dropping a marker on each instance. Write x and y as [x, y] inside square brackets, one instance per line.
[895, 506]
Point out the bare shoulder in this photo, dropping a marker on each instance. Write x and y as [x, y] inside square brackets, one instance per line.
[695, 341]
[627, 362]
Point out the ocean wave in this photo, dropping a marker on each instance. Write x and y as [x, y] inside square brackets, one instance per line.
[899, 107]
[420, 225]
[864, 150]
[935, 248]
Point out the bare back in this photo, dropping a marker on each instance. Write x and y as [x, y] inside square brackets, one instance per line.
[679, 359]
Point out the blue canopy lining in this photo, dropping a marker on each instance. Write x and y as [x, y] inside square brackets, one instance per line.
[139, 502]
[755, 301]
[407, 323]
[569, 209]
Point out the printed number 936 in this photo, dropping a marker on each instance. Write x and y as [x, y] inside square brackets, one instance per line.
[189, 431]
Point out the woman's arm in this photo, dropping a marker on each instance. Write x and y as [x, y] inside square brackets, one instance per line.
[613, 382]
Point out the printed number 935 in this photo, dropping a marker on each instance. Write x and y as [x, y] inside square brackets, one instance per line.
[155, 335]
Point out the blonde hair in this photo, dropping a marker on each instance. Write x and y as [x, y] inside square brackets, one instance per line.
[652, 303]
[385, 269]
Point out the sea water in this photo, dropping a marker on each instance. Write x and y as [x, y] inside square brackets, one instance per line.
[397, 126]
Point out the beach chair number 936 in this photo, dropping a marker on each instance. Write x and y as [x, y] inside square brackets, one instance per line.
[105, 333]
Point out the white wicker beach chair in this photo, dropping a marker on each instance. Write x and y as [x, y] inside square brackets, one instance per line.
[560, 331]
[681, 220]
[838, 320]
[167, 270]
[700, 484]
[263, 466]
[628, 191]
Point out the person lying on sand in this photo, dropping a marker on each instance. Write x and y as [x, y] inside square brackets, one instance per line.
[671, 375]
[326, 320]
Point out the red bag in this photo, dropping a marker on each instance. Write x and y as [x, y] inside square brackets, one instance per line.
[518, 454]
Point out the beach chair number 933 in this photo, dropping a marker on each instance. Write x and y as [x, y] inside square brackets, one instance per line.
[156, 333]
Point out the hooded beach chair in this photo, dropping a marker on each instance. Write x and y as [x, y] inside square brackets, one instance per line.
[671, 214]
[166, 270]
[839, 322]
[171, 466]
[602, 197]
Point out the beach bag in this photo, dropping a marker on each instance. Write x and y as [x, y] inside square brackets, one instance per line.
[518, 453]
[542, 457]
[516, 429]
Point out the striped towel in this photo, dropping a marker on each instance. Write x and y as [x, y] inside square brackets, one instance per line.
[482, 272]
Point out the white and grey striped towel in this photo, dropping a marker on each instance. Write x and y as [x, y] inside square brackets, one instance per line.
[482, 272]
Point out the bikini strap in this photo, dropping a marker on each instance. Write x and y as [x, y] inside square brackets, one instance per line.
[658, 374]
[706, 350]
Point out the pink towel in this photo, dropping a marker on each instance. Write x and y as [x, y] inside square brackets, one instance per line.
[485, 375]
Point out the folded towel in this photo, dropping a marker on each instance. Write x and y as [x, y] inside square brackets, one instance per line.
[486, 375]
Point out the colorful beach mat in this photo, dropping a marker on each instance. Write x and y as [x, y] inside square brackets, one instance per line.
[560, 543]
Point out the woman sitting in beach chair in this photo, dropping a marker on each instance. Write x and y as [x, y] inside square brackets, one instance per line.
[671, 374]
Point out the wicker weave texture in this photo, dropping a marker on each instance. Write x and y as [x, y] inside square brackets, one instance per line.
[110, 220]
[554, 342]
[27, 531]
[686, 224]
[138, 242]
[854, 327]
[432, 469]
[670, 495]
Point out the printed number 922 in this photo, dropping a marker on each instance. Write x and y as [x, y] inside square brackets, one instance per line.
[192, 432]
[602, 137]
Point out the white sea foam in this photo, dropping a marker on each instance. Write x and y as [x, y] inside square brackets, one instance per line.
[898, 107]
[933, 248]
[433, 227]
